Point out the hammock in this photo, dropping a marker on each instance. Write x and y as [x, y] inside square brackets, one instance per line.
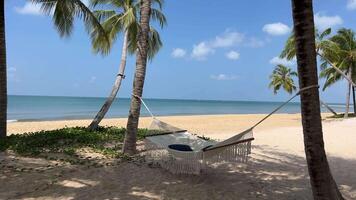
[181, 152]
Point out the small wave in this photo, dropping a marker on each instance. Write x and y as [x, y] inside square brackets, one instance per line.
[11, 120]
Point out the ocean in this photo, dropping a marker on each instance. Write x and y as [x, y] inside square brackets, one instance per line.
[38, 108]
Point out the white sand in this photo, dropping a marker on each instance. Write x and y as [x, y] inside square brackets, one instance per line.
[276, 170]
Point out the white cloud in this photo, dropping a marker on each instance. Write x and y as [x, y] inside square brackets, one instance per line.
[223, 77]
[35, 9]
[323, 22]
[351, 4]
[29, 9]
[276, 29]
[277, 60]
[233, 55]
[178, 53]
[92, 79]
[228, 39]
[202, 50]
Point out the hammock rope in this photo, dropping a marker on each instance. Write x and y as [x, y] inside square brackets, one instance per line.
[259, 122]
[285, 103]
[144, 104]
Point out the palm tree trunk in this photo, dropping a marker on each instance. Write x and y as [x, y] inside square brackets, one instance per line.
[322, 182]
[129, 146]
[354, 99]
[3, 78]
[348, 95]
[120, 76]
[328, 107]
[338, 70]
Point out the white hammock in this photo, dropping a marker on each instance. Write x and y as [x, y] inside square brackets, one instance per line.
[234, 149]
[160, 148]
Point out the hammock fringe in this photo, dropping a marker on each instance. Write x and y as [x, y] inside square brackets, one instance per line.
[195, 162]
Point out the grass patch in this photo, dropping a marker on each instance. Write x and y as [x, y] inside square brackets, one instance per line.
[68, 141]
[338, 116]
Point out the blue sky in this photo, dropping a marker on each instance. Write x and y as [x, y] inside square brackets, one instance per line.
[222, 50]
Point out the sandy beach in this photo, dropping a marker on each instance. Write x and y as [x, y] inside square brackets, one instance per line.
[276, 170]
[214, 125]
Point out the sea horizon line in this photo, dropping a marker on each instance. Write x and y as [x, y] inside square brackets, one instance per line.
[170, 99]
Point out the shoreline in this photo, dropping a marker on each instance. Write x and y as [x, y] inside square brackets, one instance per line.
[148, 116]
[142, 116]
[201, 124]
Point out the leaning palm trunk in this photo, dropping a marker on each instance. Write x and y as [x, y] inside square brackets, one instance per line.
[3, 78]
[328, 107]
[129, 146]
[349, 79]
[104, 109]
[322, 182]
[348, 95]
[354, 99]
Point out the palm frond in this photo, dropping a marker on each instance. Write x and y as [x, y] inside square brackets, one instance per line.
[154, 43]
[325, 33]
[112, 26]
[289, 50]
[159, 17]
[64, 13]
[103, 15]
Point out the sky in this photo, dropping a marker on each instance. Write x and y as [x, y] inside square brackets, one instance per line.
[216, 50]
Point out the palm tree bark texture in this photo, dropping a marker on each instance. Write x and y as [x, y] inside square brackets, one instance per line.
[3, 78]
[129, 146]
[348, 95]
[322, 183]
[354, 98]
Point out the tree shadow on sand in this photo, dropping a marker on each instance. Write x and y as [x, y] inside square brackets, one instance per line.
[269, 174]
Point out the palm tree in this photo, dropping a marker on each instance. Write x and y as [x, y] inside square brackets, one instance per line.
[129, 146]
[342, 53]
[282, 76]
[354, 98]
[289, 51]
[321, 45]
[3, 78]
[123, 18]
[322, 182]
[331, 77]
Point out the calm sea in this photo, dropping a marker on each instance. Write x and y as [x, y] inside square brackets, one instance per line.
[32, 108]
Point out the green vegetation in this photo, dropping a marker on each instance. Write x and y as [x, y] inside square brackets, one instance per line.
[339, 116]
[106, 141]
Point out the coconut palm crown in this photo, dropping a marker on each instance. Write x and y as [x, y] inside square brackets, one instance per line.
[289, 51]
[282, 77]
[121, 16]
[343, 54]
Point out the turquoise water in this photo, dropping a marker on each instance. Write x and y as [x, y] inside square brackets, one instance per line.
[31, 108]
